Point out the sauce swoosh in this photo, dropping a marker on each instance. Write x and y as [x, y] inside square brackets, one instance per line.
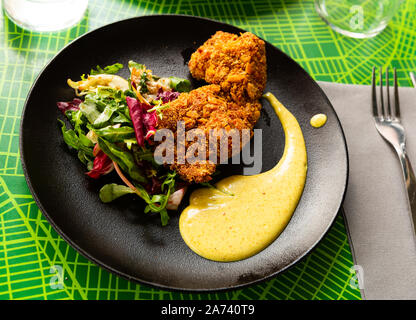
[254, 210]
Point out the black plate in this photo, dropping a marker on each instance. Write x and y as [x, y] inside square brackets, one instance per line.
[119, 236]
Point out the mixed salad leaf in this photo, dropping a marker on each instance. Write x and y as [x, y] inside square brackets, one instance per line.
[112, 69]
[112, 121]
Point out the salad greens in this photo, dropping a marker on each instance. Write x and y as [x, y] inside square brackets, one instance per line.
[113, 191]
[132, 64]
[112, 128]
[123, 158]
[180, 85]
[112, 69]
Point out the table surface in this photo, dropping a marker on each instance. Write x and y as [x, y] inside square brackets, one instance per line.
[33, 256]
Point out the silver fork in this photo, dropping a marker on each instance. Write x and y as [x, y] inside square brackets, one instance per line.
[413, 77]
[389, 126]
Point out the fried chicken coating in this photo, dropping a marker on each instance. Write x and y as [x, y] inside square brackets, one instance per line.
[206, 108]
[201, 57]
[236, 63]
[235, 66]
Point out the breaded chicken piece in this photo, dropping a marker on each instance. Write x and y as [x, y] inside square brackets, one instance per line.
[206, 108]
[236, 68]
[201, 57]
[236, 63]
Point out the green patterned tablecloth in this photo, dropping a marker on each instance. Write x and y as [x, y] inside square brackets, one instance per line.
[29, 247]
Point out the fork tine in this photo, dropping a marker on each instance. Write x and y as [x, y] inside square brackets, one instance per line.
[383, 110]
[396, 96]
[413, 77]
[389, 114]
[374, 95]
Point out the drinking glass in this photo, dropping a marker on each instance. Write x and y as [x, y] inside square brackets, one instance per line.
[45, 15]
[357, 18]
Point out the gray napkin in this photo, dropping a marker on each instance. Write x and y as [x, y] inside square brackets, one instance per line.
[376, 209]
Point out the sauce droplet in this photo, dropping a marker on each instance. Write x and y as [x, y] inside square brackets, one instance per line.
[318, 120]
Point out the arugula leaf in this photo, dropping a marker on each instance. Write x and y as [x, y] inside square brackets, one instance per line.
[70, 137]
[77, 119]
[123, 158]
[169, 180]
[143, 83]
[85, 159]
[105, 107]
[144, 154]
[112, 191]
[132, 64]
[130, 93]
[164, 217]
[89, 110]
[121, 116]
[111, 93]
[105, 116]
[158, 202]
[72, 140]
[115, 134]
[79, 122]
[111, 69]
[179, 84]
[85, 141]
[130, 142]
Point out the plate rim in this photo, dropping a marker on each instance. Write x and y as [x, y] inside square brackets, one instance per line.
[136, 280]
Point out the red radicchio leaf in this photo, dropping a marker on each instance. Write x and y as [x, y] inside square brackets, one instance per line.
[144, 122]
[167, 96]
[96, 150]
[136, 115]
[102, 165]
[69, 105]
[150, 122]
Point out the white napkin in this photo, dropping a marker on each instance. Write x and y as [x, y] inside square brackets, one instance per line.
[375, 208]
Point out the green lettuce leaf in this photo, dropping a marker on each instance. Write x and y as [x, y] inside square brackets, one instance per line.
[179, 84]
[72, 140]
[133, 64]
[112, 191]
[111, 69]
[112, 134]
[123, 158]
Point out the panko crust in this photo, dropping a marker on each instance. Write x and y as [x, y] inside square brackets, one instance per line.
[235, 67]
[207, 107]
[236, 63]
[201, 57]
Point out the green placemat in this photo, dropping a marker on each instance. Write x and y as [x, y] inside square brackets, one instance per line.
[33, 256]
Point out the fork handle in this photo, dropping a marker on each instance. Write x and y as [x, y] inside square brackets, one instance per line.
[410, 181]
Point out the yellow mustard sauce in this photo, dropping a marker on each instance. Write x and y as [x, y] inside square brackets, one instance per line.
[318, 120]
[251, 211]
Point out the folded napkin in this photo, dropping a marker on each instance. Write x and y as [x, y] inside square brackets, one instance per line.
[375, 208]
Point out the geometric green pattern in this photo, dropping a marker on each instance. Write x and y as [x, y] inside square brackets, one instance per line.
[29, 247]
